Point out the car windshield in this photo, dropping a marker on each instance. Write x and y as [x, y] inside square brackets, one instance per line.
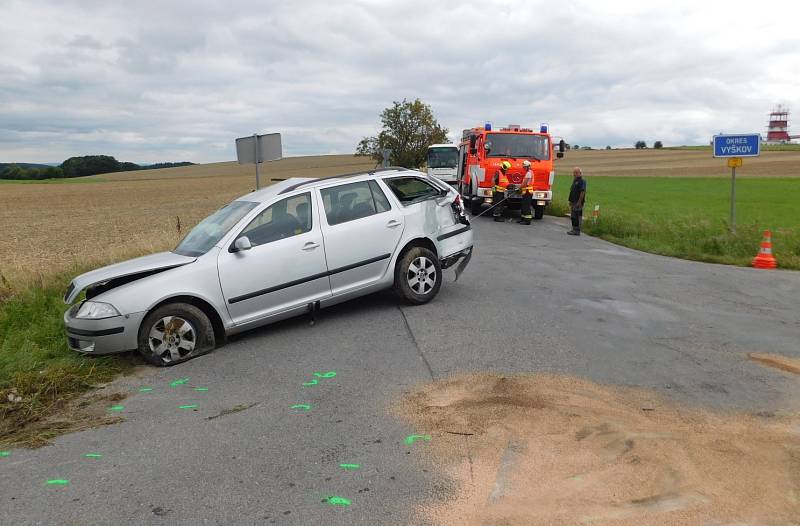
[517, 145]
[442, 157]
[211, 229]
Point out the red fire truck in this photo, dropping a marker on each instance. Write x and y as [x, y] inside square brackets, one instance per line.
[482, 150]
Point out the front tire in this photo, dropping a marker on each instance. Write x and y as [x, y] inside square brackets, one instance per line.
[174, 333]
[418, 276]
[538, 211]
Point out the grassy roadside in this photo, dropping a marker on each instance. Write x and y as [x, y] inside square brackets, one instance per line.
[688, 217]
[39, 375]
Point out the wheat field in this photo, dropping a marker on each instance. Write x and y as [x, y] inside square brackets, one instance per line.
[51, 228]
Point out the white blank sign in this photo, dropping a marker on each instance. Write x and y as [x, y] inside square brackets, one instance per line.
[269, 146]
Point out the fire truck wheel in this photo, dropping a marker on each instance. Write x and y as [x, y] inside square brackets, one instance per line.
[418, 276]
[475, 205]
[538, 212]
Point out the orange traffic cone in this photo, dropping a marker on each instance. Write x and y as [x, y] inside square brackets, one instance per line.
[765, 259]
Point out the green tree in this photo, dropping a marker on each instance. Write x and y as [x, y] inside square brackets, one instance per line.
[408, 128]
[640, 145]
[89, 165]
[608, 147]
[658, 145]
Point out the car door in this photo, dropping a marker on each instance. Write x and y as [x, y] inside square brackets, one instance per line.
[361, 230]
[285, 266]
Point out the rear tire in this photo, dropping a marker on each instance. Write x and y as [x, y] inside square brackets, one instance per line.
[174, 333]
[538, 211]
[418, 276]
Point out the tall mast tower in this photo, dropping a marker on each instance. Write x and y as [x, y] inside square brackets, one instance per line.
[778, 126]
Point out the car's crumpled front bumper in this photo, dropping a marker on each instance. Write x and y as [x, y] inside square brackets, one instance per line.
[105, 336]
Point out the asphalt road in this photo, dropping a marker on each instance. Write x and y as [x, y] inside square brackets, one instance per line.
[533, 299]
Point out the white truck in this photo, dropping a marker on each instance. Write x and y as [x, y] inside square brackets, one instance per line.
[442, 162]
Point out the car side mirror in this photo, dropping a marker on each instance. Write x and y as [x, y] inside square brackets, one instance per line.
[562, 145]
[241, 244]
[559, 154]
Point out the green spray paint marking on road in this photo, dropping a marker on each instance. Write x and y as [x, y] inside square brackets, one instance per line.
[190, 406]
[304, 407]
[201, 388]
[117, 408]
[335, 500]
[178, 382]
[329, 374]
[58, 482]
[410, 439]
[350, 466]
[312, 382]
[93, 455]
[5, 453]
[145, 389]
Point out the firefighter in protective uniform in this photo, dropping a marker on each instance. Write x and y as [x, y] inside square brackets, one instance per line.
[499, 192]
[526, 190]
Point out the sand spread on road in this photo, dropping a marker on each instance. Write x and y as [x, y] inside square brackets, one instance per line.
[529, 450]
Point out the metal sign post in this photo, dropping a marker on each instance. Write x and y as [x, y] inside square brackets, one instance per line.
[734, 147]
[733, 163]
[256, 149]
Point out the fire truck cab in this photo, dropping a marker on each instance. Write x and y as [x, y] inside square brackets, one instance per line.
[483, 149]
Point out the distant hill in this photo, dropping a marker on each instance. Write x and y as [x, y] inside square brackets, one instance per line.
[76, 167]
[3, 166]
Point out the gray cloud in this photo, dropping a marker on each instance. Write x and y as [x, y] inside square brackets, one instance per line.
[152, 81]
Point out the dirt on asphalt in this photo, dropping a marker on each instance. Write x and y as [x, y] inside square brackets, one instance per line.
[555, 450]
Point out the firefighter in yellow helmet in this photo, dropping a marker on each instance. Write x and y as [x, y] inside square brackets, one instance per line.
[526, 190]
[500, 184]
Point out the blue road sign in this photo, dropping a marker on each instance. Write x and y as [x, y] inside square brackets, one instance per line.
[745, 145]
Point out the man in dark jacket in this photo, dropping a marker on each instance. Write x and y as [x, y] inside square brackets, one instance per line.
[577, 196]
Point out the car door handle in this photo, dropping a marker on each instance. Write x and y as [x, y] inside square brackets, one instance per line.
[393, 224]
[310, 245]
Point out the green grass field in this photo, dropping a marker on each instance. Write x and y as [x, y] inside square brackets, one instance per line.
[37, 366]
[689, 217]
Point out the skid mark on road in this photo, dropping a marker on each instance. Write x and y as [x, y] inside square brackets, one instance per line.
[416, 344]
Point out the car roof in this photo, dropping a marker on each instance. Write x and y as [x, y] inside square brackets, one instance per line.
[296, 183]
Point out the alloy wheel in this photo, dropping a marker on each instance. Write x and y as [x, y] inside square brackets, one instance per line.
[421, 275]
[172, 338]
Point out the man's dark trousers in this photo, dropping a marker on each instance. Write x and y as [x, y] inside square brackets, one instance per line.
[576, 215]
[525, 206]
[497, 212]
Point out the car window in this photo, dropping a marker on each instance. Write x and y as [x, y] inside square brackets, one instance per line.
[348, 202]
[381, 203]
[211, 229]
[286, 218]
[411, 189]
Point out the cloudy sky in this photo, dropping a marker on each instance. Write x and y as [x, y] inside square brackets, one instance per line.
[150, 81]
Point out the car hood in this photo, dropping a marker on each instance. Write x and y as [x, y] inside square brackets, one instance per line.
[143, 266]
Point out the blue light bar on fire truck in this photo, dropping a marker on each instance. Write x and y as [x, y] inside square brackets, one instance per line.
[543, 127]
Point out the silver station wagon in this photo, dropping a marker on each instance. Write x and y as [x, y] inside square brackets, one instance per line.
[291, 248]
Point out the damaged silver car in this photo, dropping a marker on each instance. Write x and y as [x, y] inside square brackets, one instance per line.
[291, 248]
